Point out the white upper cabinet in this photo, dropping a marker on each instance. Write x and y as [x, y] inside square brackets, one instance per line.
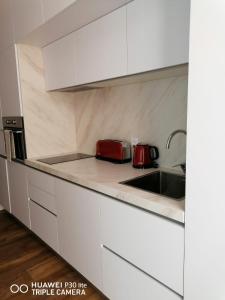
[59, 60]
[6, 25]
[9, 85]
[101, 49]
[27, 16]
[157, 34]
[142, 36]
[53, 7]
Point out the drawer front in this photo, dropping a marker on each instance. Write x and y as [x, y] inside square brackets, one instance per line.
[41, 189]
[122, 281]
[42, 181]
[153, 244]
[44, 199]
[44, 224]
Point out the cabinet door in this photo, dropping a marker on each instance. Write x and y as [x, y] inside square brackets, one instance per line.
[4, 187]
[78, 216]
[44, 224]
[27, 16]
[152, 243]
[59, 60]
[123, 281]
[157, 34]
[53, 7]
[9, 85]
[6, 25]
[101, 50]
[18, 192]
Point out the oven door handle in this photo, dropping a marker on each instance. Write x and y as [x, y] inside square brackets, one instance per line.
[9, 144]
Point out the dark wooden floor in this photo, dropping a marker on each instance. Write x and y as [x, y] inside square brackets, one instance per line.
[25, 259]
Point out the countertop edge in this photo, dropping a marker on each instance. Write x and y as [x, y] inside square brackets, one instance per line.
[173, 214]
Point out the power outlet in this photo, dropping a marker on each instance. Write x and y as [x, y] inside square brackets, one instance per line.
[134, 140]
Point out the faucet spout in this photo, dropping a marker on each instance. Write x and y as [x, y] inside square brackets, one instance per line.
[172, 135]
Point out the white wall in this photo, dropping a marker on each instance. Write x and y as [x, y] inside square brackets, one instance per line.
[205, 197]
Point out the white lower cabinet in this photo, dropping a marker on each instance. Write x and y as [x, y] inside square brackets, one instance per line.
[41, 189]
[126, 252]
[18, 192]
[151, 243]
[4, 188]
[78, 211]
[43, 214]
[122, 281]
[44, 224]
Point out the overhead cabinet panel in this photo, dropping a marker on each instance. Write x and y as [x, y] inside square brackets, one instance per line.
[59, 60]
[6, 25]
[9, 84]
[27, 16]
[69, 15]
[101, 49]
[53, 7]
[157, 34]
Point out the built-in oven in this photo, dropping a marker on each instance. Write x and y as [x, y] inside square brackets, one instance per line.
[14, 135]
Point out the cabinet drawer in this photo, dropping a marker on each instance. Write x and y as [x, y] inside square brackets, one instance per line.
[42, 181]
[153, 244]
[44, 199]
[41, 189]
[44, 224]
[122, 281]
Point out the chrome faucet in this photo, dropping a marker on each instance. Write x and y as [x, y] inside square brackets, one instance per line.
[175, 132]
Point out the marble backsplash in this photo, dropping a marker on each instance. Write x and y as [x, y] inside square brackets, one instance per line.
[61, 122]
[149, 111]
[49, 118]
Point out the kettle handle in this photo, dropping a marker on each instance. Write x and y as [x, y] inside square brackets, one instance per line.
[154, 152]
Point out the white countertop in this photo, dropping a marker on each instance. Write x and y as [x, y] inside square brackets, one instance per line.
[104, 177]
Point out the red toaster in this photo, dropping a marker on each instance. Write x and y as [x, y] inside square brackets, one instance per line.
[113, 150]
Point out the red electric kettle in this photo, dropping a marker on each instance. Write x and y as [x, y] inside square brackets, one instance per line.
[144, 156]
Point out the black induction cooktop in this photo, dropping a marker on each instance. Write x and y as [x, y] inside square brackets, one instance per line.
[64, 158]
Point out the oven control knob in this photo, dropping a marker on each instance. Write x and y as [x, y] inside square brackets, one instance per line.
[14, 122]
[8, 122]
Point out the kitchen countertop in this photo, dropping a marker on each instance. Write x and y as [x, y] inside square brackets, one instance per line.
[104, 177]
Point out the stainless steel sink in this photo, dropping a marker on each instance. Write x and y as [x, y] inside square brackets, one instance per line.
[160, 182]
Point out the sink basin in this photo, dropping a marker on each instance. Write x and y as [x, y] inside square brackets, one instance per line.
[160, 182]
